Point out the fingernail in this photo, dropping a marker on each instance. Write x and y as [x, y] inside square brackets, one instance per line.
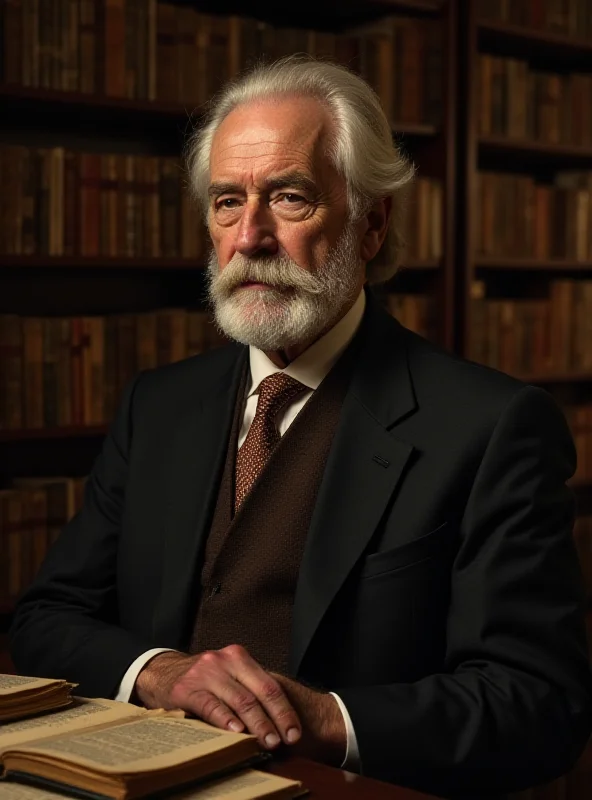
[235, 726]
[272, 740]
[293, 735]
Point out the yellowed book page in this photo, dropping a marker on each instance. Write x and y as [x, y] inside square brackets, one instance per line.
[248, 784]
[16, 684]
[244, 785]
[139, 746]
[83, 713]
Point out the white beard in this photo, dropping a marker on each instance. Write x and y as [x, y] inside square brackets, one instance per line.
[297, 307]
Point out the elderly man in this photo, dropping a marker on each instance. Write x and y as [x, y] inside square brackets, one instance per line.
[330, 533]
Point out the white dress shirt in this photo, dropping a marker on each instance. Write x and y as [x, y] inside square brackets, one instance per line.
[310, 368]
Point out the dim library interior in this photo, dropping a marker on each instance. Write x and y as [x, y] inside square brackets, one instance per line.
[102, 250]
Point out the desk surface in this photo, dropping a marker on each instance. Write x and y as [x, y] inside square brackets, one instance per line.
[327, 783]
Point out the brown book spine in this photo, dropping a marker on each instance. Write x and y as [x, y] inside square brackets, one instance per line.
[132, 38]
[29, 209]
[90, 54]
[114, 48]
[71, 83]
[51, 348]
[110, 393]
[97, 366]
[76, 349]
[33, 355]
[71, 205]
[90, 215]
[166, 52]
[170, 207]
[13, 43]
[151, 50]
[561, 296]
[65, 374]
[86, 365]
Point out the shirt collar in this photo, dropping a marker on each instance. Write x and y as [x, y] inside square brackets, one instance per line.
[311, 367]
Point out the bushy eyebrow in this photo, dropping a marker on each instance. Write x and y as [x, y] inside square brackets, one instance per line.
[294, 180]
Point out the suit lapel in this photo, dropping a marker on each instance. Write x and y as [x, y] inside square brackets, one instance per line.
[197, 458]
[365, 465]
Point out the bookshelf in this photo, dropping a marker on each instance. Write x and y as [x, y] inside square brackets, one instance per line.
[503, 137]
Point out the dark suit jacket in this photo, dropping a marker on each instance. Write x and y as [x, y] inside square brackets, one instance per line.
[439, 593]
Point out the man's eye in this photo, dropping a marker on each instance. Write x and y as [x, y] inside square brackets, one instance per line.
[227, 202]
[293, 198]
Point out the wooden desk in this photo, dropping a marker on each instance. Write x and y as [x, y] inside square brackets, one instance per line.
[328, 783]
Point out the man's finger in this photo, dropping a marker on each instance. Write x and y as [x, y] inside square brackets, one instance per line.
[208, 706]
[248, 708]
[266, 690]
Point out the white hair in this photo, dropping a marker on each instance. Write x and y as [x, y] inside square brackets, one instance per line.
[362, 148]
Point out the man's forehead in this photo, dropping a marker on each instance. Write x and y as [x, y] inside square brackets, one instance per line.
[293, 127]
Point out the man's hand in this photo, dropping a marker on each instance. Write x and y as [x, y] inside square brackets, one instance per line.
[226, 688]
[324, 735]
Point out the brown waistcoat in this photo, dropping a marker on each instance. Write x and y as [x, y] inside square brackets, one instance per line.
[252, 559]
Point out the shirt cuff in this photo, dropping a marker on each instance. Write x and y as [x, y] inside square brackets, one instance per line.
[126, 687]
[351, 761]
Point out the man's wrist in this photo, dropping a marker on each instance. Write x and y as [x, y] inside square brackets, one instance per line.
[333, 731]
[325, 732]
[150, 678]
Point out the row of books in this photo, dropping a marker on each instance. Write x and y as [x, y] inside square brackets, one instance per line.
[580, 422]
[65, 203]
[144, 50]
[516, 216]
[33, 511]
[70, 371]
[516, 101]
[569, 17]
[542, 336]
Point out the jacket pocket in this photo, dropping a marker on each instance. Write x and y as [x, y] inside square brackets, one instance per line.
[427, 546]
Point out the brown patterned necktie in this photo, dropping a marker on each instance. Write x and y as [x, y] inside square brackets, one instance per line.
[275, 392]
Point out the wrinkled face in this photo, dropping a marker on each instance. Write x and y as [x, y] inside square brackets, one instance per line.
[286, 261]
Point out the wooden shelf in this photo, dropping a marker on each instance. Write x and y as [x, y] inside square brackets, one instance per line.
[531, 264]
[23, 98]
[504, 145]
[552, 44]
[98, 262]
[75, 431]
[409, 6]
[28, 94]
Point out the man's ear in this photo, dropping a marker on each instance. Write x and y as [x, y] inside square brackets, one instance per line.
[377, 220]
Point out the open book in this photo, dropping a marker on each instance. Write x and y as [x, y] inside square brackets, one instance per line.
[102, 748]
[21, 696]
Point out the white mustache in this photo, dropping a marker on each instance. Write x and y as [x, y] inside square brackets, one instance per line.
[278, 272]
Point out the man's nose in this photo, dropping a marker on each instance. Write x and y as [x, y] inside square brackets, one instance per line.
[256, 231]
